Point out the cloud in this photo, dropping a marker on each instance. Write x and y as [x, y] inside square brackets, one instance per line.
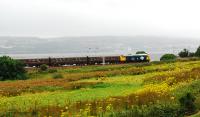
[177, 18]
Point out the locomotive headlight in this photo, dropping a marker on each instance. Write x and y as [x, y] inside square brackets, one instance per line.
[148, 58]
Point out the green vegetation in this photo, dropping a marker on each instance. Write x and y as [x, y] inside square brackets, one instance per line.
[11, 69]
[187, 104]
[184, 53]
[197, 53]
[43, 67]
[141, 52]
[57, 75]
[52, 70]
[168, 57]
[157, 89]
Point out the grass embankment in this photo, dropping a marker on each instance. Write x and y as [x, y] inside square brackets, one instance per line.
[101, 90]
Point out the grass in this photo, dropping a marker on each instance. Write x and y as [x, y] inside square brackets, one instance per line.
[196, 115]
[99, 91]
[111, 88]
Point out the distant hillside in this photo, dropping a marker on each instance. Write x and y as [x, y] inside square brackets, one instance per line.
[94, 44]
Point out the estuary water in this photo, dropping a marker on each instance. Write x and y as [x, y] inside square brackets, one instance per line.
[35, 47]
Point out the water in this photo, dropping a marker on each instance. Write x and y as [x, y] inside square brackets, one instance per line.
[31, 47]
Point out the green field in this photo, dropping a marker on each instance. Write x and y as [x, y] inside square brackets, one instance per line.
[146, 89]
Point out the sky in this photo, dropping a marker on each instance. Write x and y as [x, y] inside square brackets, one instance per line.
[52, 18]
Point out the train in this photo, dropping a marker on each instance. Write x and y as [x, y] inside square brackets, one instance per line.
[68, 61]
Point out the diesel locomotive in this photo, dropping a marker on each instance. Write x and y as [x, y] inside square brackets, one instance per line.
[87, 60]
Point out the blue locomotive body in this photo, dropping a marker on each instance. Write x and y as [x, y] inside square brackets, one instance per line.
[138, 58]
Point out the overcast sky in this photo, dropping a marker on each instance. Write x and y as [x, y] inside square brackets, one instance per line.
[46, 18]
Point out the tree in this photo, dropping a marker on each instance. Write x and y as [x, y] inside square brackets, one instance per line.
[197, 53]
[191, 54]
[141, 52]
[168, 57]
[184, 53]
[11, 69]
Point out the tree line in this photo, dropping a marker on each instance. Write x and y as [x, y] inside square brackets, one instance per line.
[186, 53]
[182, 54]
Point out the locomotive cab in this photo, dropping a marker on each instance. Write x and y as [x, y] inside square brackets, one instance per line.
[138, 58]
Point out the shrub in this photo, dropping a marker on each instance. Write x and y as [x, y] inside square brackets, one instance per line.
[187, 104]
[11, 69]
[168, 57]
[164, 111]
[184, 53]
[57, 76]
[43, 67]
[157, 110]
